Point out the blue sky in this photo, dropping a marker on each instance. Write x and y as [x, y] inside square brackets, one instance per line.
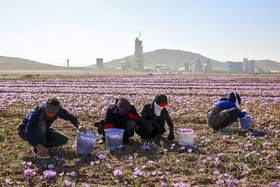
[51, 31]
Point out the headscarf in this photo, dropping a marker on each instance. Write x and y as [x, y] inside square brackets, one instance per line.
[122, 106]
[232, 97]
[160, 102]
[47, 106]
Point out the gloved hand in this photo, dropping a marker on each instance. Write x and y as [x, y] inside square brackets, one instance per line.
[171, 136]
[245, 110]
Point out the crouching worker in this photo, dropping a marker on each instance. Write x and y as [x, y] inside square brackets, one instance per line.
[153, 117]
[225, 111]
[36, 127]
[120, 115]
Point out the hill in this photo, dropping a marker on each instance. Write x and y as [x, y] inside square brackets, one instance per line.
[174, 58]
[169, 57]
[12, 63]
[268, 65]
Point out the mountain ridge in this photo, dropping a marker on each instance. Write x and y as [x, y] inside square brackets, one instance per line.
[169, 57]
[173, 58]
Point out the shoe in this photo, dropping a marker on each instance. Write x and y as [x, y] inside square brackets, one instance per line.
[41, 157]
[225, 130]
[102, 140]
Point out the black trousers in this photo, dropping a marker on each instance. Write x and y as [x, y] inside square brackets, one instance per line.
[149, 130]
[128, 126]
[221, 118]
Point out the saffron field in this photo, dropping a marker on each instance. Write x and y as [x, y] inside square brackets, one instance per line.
[245, 158]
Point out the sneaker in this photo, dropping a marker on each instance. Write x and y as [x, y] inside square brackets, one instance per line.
[225, 130]
[41, 157]
[102, 140]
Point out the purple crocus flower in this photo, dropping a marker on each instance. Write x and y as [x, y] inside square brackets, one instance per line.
[67, 182]
[49, 174]
[184, 130]
[57, 158]
[8, 181]
[216, 172]
[51, 166]
[219, 182]
[117, 172]
[28, 172]
[29, 163]
[146, 146]
[73, 174]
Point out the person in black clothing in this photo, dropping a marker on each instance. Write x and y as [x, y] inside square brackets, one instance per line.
[120, 115]
[153, 117]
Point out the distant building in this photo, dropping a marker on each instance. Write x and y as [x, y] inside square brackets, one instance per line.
[208, 66]
[164, 70]
[234, 67]
[259, 70]
[246, 65]
[67, 63]
[99, 63]
[198, 66]
[187, 65]
[252, 66]
[138, 55]
[125, 65]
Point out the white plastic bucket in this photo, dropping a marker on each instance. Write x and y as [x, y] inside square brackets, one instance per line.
[85, 142]
[245, 123]
[185, 136]
[114, 138]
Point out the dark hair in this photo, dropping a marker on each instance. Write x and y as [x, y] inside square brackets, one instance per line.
[53, 101]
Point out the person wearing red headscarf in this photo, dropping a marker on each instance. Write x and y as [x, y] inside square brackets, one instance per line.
[153, 117]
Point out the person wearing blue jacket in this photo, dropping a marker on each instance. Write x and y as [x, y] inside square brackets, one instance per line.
[225, 111]
[36, 127]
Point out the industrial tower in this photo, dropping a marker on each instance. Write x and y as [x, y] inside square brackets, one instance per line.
[138, 55]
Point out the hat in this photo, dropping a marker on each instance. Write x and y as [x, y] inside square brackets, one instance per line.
[161, 100]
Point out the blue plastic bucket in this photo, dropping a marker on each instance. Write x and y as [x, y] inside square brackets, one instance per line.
[114, 138]
[245, 123]
[85, 142]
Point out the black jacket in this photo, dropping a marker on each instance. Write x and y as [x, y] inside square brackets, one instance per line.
[147, 116]
[118, 120]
